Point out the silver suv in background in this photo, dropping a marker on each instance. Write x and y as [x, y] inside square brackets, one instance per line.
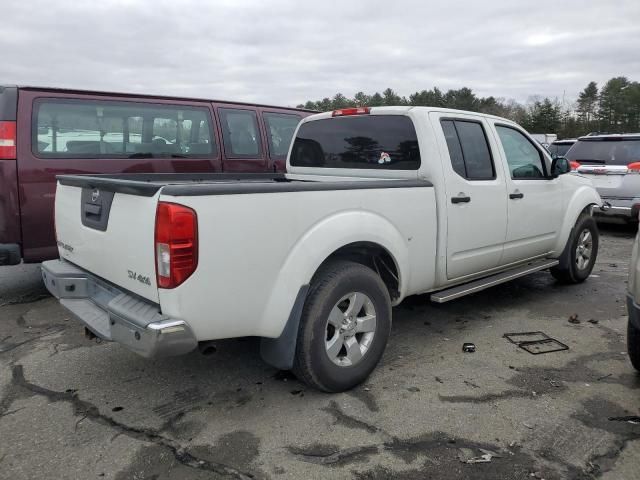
[612, 162]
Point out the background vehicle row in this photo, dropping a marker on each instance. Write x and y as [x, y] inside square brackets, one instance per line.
[47, 132]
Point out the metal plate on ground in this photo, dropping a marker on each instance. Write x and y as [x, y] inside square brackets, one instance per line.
[536, 343]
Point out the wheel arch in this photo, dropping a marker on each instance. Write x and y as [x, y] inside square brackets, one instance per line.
[583, 200]
[375, 242]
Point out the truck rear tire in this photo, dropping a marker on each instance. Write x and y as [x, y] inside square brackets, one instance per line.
[579, 256]
[633, 345]
[344, 327]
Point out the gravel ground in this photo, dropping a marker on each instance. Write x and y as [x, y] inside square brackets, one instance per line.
[73, 408]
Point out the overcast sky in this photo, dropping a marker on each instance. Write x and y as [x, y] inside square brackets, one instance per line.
[287, 52]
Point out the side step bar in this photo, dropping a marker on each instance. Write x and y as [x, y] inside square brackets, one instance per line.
[486, 282]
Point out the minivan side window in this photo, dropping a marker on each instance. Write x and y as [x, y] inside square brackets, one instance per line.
[240, 133]
[524, 159]
[104, 129]
[280, 130]
[468, 149]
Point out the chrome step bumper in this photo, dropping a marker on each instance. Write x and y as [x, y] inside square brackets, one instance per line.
[114, 315]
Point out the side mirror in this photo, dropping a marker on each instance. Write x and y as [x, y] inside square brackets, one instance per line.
[560, 166]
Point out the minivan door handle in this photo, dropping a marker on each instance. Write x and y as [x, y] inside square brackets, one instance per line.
[515, 195]
[460, 199]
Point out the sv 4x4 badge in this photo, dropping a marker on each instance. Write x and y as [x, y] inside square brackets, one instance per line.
[141, 278]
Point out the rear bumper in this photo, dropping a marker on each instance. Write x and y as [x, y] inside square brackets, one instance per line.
[114, 315]
[626, 209]
[10, 254]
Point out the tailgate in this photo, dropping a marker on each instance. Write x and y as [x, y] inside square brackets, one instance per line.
[110, 234]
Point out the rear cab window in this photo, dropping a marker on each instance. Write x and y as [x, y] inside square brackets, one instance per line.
[380, 142]
[108, 129]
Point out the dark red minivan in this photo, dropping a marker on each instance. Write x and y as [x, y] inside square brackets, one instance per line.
[46, 131]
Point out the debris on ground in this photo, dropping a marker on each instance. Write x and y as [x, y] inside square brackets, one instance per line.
[468, 347]
[633, 419]
[593, 320]
[466, 455]
[574, 319]
[536, 343]
[528, 425]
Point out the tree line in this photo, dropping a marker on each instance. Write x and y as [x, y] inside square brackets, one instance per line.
[613, 108]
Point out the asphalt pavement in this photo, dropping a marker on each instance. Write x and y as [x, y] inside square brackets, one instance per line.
[71, 408]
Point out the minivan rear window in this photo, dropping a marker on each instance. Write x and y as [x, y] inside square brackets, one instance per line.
[605, 151]
[102, 129]
[381, 142]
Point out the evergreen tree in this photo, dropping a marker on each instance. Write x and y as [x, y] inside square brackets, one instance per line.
[587, 104]
[615, 108]
[612, 107]
[391, 98]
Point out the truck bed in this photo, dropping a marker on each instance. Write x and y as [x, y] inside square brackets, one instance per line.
[188, 184]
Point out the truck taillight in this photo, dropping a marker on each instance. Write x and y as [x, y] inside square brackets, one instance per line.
[343, 112]
[7, 140]
[574, 165]
[176, 244]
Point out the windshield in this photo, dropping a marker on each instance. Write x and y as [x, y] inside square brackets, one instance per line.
[605, 151]
[384, 142]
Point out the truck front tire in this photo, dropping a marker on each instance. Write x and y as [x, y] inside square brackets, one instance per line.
[579, 256]
[344, 327]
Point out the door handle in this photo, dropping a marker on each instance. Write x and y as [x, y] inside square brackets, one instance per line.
[513, 196]
[460, 199]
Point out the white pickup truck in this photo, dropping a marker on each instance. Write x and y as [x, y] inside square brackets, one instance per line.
[377, 204]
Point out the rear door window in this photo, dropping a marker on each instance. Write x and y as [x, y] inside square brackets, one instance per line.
[240, 133]
[382, 142]
[524, 159]
[102, 129]
[280, 130]
[468, 149]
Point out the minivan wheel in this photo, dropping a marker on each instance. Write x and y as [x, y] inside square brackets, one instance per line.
[579, 257]
[344, 327]
[633, 345]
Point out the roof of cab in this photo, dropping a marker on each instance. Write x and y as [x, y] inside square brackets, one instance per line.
[401, 110]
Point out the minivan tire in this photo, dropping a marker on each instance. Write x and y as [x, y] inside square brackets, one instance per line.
[633, 345]
[571, 268]
[341, 285]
